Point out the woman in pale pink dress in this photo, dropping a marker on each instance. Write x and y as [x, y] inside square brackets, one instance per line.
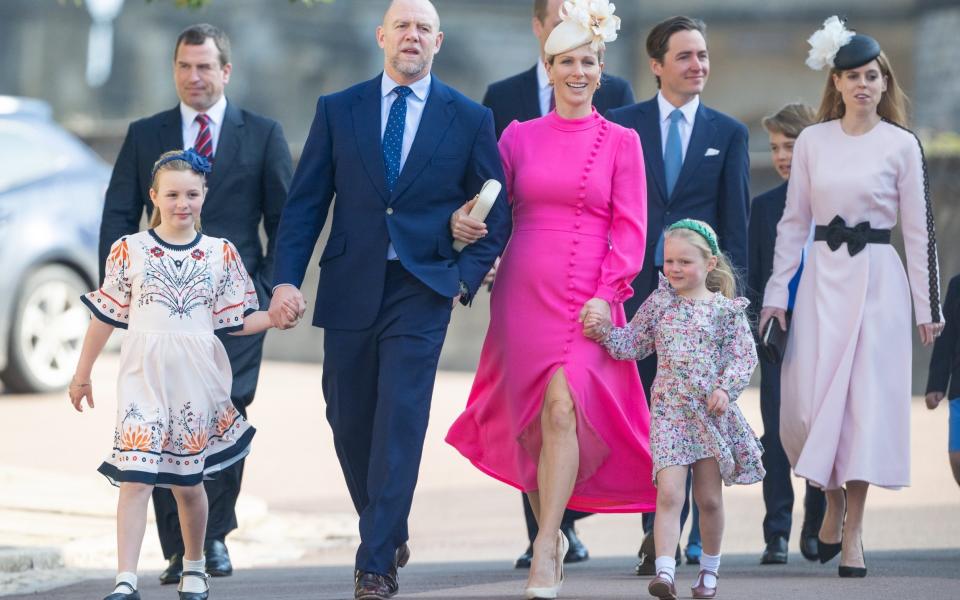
[550, 412]
[845, 409]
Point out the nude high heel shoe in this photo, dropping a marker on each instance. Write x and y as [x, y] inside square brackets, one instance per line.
[548, 593]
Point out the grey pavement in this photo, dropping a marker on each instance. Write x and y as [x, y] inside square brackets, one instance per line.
[298, 533]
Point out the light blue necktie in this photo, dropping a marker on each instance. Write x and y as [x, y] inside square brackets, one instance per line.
[393, 135]
[672, 163]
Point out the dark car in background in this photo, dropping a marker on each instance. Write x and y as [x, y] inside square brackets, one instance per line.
[51, 198]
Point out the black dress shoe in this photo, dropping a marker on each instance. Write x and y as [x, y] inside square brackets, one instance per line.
[400, 559]
[133, 594]
[374, 586]
[577, 551]
[195, 595]
[172, 573]
[809, 545]
[648, 557]
[218, 559]
[523, 561]
[826, 551]
[776, 551]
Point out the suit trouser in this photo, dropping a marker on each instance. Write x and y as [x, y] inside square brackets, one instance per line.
[777, 485]
[245, 353]
[378, 384]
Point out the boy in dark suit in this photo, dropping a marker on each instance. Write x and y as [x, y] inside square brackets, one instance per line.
[945, 368]
[248, 185]
[765, 213]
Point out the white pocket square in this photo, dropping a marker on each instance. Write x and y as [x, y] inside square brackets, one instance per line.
[712, 152]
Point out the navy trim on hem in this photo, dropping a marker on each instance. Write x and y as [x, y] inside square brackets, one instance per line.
[96, 312]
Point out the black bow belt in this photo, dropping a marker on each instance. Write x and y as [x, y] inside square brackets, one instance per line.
[857, 237]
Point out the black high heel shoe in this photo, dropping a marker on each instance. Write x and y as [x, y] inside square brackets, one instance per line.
[826, 551]
[845, 571]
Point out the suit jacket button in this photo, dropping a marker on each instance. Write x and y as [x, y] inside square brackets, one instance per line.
[390, 211]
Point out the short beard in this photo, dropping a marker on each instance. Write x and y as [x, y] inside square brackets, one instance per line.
[408, 68]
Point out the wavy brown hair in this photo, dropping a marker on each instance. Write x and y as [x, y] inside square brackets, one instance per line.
[892, 106]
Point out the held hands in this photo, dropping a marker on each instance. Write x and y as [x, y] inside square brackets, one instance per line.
[595, 316]
[78, 390]
[718, 402]
[929, 332]
[465, 228]
[286, 307]
[933, 399]
[770, 312]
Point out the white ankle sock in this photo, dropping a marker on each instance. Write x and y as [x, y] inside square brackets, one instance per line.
[192, 583]
[709, 562]
[666, 565]
[125, 577]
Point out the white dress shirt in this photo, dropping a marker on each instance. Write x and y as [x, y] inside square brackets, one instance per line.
[416, 101]
[188, 121]
[689, 111]
[544, 89]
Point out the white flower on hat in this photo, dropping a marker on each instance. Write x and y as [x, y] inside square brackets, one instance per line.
[826, 42]
[596, 16]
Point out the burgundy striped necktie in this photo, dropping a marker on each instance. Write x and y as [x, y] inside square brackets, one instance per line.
[204, 143]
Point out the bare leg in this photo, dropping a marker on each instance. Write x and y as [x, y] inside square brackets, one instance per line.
[708, 493]
[831, 530]
[955, 466]
[852, 553]
[131, 524]
[192, 507]
[556, 475]
[671, 492]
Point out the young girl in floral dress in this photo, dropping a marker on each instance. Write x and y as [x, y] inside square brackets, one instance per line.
[706, 356]
[170, 287]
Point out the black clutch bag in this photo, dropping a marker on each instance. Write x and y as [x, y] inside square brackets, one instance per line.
[773, 342]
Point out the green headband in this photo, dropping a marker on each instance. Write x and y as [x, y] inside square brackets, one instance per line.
[703, 229]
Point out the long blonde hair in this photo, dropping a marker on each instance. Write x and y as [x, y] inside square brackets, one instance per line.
[722, 278]
[173, 165]
[893, 102]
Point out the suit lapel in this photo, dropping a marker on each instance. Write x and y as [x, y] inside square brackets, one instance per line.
[366, 125]
[171, 132]
[703, 133]
[648, 126]
[231, 132]
[437, 115]
[530, 96]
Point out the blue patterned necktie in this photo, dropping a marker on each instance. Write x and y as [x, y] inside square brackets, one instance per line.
[673, 154]
[393, 135]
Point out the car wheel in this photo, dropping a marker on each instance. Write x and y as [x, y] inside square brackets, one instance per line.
[48, 326]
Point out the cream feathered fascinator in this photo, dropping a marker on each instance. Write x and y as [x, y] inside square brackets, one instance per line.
[583, 22]
[836, 47]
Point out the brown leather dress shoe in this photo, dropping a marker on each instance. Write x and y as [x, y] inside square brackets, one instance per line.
[700, 590]
[662, 588]
[374, 586]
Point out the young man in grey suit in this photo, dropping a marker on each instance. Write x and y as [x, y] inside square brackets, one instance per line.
[697, 167]
[522, 97]
[248, 185]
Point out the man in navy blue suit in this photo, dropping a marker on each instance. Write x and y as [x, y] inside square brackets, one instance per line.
[248, 185]
[522, 97]
[697, 167]
[401, 152]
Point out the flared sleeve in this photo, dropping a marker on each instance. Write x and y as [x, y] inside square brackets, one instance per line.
[637, 340]
[628, 222]
[738, 352]
[919, 235]
[236, 296]
[793, 229]
[111, 301]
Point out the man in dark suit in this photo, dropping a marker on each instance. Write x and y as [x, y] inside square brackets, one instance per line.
[401, 152]
[248, 185]
[784, 127]
[697, 167]
[522, 97]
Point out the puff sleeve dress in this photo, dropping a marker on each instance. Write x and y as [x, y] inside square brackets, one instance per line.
[175, 422]
[577, 193]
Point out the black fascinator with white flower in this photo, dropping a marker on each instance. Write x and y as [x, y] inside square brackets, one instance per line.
[835, 47]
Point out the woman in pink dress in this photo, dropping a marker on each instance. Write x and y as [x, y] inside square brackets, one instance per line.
[550, 412]
[845, 409]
